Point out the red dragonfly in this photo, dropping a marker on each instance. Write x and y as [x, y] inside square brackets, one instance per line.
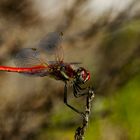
[46, 59]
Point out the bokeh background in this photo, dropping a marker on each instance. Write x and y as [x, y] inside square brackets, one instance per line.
[102, 34]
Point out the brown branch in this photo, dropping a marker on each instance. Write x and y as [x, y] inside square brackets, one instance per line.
[80, 131]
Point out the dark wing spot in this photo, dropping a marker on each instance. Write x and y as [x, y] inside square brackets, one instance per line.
[34, 49]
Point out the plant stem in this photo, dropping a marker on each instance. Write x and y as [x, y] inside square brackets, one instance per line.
[80, 131]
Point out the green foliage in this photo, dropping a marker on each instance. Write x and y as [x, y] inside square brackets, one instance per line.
[127, 107]
[123, 121]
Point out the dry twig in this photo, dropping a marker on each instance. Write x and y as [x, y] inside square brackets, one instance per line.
[80, 131]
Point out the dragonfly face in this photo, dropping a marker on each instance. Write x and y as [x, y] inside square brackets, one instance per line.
[82, 76]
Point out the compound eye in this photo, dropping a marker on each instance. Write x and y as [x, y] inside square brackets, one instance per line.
[83, 75]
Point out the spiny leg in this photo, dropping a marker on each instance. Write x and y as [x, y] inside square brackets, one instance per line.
[79, 87]
[78, 91]
[66, 102]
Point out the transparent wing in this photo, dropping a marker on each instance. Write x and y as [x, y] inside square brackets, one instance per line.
[52, 45]
[29, 57]
[47, 51]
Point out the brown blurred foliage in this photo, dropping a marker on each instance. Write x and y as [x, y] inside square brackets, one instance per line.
[107, 45]
[19, 12]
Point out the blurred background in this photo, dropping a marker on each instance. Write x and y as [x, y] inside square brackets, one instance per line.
[102, 34]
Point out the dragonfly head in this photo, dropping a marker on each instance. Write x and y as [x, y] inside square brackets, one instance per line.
[82, 75]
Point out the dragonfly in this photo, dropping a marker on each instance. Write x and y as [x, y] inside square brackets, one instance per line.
[47, 59]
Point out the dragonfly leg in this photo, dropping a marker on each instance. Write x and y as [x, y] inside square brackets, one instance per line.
[79, 87]
[78, 91]
[66, 102]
